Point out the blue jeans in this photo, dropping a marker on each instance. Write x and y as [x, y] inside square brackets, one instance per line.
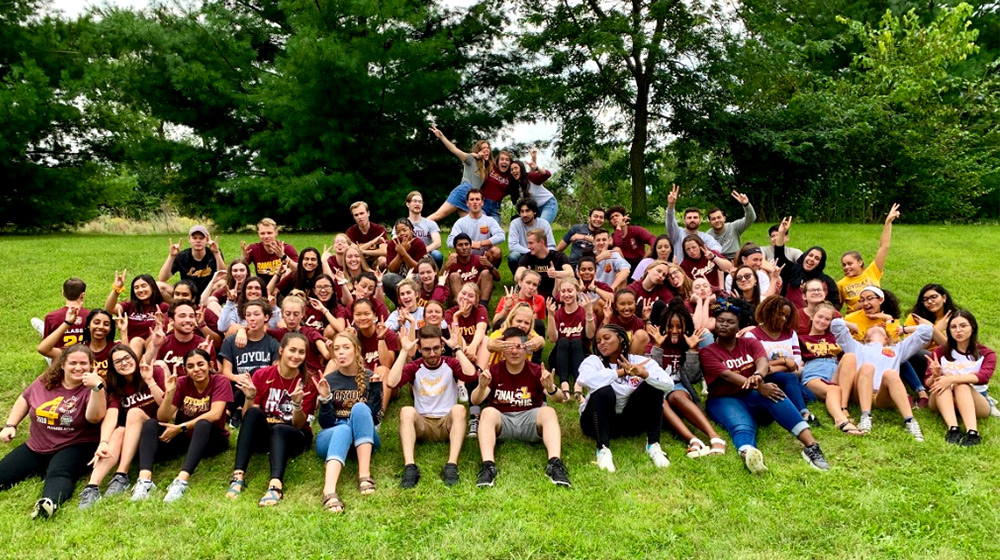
[793, 388]
[910, 377]
[739, 415]
[438, 257]
[549, 210]
[492, 209]
[332, 444]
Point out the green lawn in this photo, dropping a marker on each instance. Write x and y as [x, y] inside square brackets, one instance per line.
[885, 497]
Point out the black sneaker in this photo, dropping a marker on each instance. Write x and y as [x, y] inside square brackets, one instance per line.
[91, 493]
[44, 509]
[557, 473]
[811, 419]
[449, 474]
[971, 438]
[954, 435]
[473, 427]
[235, 421]
[814, 456]
[487, 474]
[118, 485]
[411, 476]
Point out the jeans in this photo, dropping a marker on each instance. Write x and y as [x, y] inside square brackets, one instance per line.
[739, 416]
[492, 209]
[909, 375]
[793, 388]
[549, 210]
[438, 258]
[59, 470]
[333, 444]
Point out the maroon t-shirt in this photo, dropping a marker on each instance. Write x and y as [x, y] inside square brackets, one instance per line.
[314, 360]
[73, 334]
[141, 322]
[516, 393]
[805, 323]
[265, 264]
[716, 359]
[369, 345]
[570, 325]
[315, 319]
[172, 352]
[470, 271]
[381, 311]
[633, 245]
[274, 395]
[192, 403]
[467, 325]
[819, 346]
[495, 185]
[633, 325]
[658, 293]
[212, 322]
[418, 250]
[58, 417]
[143, 400]
[101, 359]
[595, 285]
[439, 293]
[221, 295]
[334, 265]
[374, 230]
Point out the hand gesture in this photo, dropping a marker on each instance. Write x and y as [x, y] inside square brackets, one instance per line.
[786, 224]
[175, 248]
[213, 245]
[272, 300]
[103, 451]
[92, 379]
[942, 323]
[933, 365]
[547, 380]
[695, 338]
[550, 304]
[232, 295]
[340, 276]
[7, 434]
[160, 319]
[437, 133]
[379, 273]
[248, 388]
[244, 249]
[485, 378]
[551, 272]
[72, 313]
[893, 214]
[775, 274]
[741, 198]
[170, 381]
[297, 393]
[608, 310]
[647, 308]
[509, 297]
[443, 278]
[119, 282]
[534, 155]
[199, 316]
[219, 277]
[380, 329]
[241, 338]
[672, 197]
[170, 431]
[454, 340]
[322, 387]
[655, 334]
[206, 345]
[406, 341]
[121, 323]
[316, 304]
[450, 262]
[146, 372]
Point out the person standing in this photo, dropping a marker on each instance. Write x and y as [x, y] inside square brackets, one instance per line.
[269, 253]
[692, 221]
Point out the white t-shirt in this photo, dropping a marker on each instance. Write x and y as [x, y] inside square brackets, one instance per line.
[608, 268]
[962, 365]
[762, 279]
[434, 390]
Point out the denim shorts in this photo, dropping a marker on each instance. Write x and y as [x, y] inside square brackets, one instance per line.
[458, 196]
[820, 368]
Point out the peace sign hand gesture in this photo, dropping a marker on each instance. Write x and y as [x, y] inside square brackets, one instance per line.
[297, 393]
[437, 133]
[674, 194]
[741, 198]
[893, 214]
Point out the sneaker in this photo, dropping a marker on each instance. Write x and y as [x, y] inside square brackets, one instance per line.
[814, 456]
[119, 484]
[175, 491]
[656, 453]
[473, 427]
[44, 509]
[971, 438]
[865, 425]
[994, 411]
[811, 419]
[91, 493]
[954, 435]
[411, 476]
[234, 422]
[38, 325]
[754, 461]
[557, 472]
[142, 489]
[914, 429]
[463, 393]
[604, 460]
[487, 474]
[449, 474]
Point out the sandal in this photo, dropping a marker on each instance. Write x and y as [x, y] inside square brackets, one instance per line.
[697, 448]
[366, 485]
[332, 503]
[565, 393]
[849, 428]
[271, 497]
[578, 395]
[236, 488]
[717, 450]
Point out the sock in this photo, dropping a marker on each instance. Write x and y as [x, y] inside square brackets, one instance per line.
[489, 464]
[866, 413]
[91, 486]
[908, 419]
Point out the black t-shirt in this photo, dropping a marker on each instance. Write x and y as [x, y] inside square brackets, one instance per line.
[578, 248]
[541, 266]
[199, 272]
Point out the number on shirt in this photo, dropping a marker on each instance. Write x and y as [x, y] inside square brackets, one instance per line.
[48, 410]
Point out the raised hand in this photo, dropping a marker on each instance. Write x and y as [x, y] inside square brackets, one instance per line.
[695, 338]
[647, 308]
[158, 335]
[380, 329]
[741, 198]
[213, 245]
[786, 224]
[297, 393]
[174, 248]
[449, 262]
[146, 372]
[551, 272]
[121, 322]
[444, 277]
[244, 249]
[322, 387]
[72, 313]
[170, 381]
[608, 310]
[199, 316]
[893, 214]
[550, 305]
[206, 345]
[509, 297]
[547, 380]
[379, 273]
[248, 388]
[119, 282]
[406, 341]
[672, 197]
[437, 133]
[92, 379]
[654, 333]
[485, 378]
[933, 365]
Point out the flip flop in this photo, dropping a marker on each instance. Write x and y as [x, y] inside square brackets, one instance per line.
[332, 503]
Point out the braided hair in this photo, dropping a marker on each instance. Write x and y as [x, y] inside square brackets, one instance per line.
[623, 342]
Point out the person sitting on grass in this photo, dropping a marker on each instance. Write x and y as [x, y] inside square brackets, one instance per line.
[516, 390]
[570, 326]
[624, 397]
[462, 266]
[521, 316]
[826, 371]
[470, 321]
[796, 272]
[814, 292]
[435, 414]
[740, 395]
[99, 335]
[74, 291]
[856, 276]
[408, 311]
[66, 403]
[247, 351]
[621, 312]
[430, 285]
[958, 373]
[144, 306]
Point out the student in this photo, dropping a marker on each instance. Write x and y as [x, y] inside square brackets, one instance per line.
[601, 293]
[301, 278]
[496, 186]
[171, 348]
[521, 316]
[379, 344]
[130, 386]
[517, 242]
[525, 292]
[740, 396]
[276, 418]
[814, 292]
[366, 287]
[662, 251]
[700, 261]
[934, 306]
[551, 265]
[570, 326]
[529, 185]
[516, 390]
[856, 276]
[472, 321]
[74, 291]
[247, 351]
[430, 286]
[335, 262]
[191, 420]
[230, 319]
[484, 231]
[370, 238]
[269, 253]
[144, 306]
[632, 240]
[752, 256]
[612, 269]
[98, 335]
[652, 285]
[224, 284]
[349, 409]
[749, 289]
[958, 373]
[621, 312]
[424, 229]
[184, 290]
[624, 397]
[407, 311]
[692, 221]
[791, 253]
[65, 403]
[826, 371]
[402, 254]
[435, 414]
[795, 274]
[293, 312]
[463, 266]
[476, 166]
[728, 234]
[194, 263]
[322, 309]
[702, 304]
[678, 282]
[580, 237]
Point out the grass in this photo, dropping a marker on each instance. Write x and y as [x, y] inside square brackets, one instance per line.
[886, 496]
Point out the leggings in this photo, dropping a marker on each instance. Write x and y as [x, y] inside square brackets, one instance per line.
[641, 414]
[204, 440]
[281, 441]
[235, 408]
[569, 354]
[59, 470]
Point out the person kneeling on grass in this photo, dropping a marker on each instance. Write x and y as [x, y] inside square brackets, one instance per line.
[739, 395]
[191, 419]
[276, 416]
[435, 414]
[958, 373]
[515, 390]
[624, 396]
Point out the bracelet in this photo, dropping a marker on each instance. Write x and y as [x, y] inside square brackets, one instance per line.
[68, 324]
[556, 390]
[325, 400]
[118, 290]
[296, 406]
[10, 426]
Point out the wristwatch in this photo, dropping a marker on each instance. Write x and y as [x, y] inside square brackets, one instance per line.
[97, 387]
[184, 428]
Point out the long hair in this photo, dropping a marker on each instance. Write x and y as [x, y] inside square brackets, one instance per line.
[359, 361]
[482, 168]
[53, 375]
[304, 280]
[155, 297]
[622, 292]
[296, 335]
[768, 315]
[920, 309]
[116, 381]
[623, 342]
[522, 183]
[754, 300]
[86, 339]
[330, 304]
[230, 279]
[243, 290]
[652, 248]
[800, 275]
[684, 290]
[951, 346]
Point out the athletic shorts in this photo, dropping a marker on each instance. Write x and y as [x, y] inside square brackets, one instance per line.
[522, 426]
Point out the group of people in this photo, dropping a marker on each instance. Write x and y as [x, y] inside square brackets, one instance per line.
[645, 331]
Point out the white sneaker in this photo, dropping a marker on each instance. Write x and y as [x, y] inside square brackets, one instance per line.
[175, 491]
[865, 425]
[994, 411]
[463, 393]
[914, 429]
[656, 453]
[142, 489]
[754, 460]
[38, 325]
[604, 460]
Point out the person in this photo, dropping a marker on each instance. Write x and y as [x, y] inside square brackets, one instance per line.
[740, 395]
[335, 262]
[692, 221]
[224, 285]
[552, 266]
[752, 256]
[612, 269]
[662, 251]
[471, 320]
[701, 304]
[496, 186]
[349, 409]
[795, 274]
[814, 292]
[65, 404]
[624, 396]
[727, 234]
[521, 316]
[436, 414]
[322, 310]
[791, 253]
[130, 386]
[856, 275]
[517, 242]
[366, 287]
[826, 371]
[516, 390]
[878, 379]
[407, 311]
[370, 238]
[529, 185]
[958, 373]
[171, 348]
[74, 291]
[678, 282]
[144, 307]
[934, 306]
[463, 266]
[621, 311]
[279, 407]
[379, 345]
[191, 420]
[652, 285]
[526, 291]
[632, 240]
[245, 352]
[424, 229]
[230, 319]
[749, 289]
[429, 285]
[580, 237]
[477, 164]
[586, 273]
[194, 263]
[98, 335]
[293, 313]
[184, 290]
[569, 327]
[700, 261]
[484, 231]
[301, 278]
[402, 254]
[269, 253]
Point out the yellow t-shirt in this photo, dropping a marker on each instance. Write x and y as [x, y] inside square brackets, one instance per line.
[864, 323]
[850, 288]
[497, 357]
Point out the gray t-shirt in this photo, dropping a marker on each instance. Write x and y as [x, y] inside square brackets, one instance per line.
[253, 356]
[469, 168]
[423, 229]
[577, 248]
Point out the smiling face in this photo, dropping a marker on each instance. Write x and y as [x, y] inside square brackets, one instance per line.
[601, 240]
[185, 319]
[403, 232]
[870, 302]
[142, 289]
[182, 291]
[467, 296]
[851, 265]
[100, 326]
[323, 290]
[754, 260]
[745, 277]
[568, 293]
[586, 271]
[537, 246]
[293, 353]
[608, 343]
[309, 261]
[76, 364]
[625, 305]
[197, 368]
[407, 297]
[239, 273]
[815, 291]
[254, 290]
[426, 274]
[812, 259]
[433, 315]
[701, 287]
[515, 170]
[717, 219]
[364, 316]
[344, 351]
[123, 362]
[821, 319]
[503, 162]
[352, 260]
[596, 219]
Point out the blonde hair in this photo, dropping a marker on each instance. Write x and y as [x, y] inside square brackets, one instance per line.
[474, 287]
[359, 204]
[408, 282]
[572, 282]
[685, 287]
[268, 222]
[508, 321]
[537, 233]
[412, 194]
[482, 169]
[361, 255]
[294, 297]
[359, 361]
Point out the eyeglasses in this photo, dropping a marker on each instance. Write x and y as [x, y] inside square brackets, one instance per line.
[431, 350]
[930, 297]
[868, 300]
[744, 277]
[122, 361]
[814, 291]
[322, 288]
